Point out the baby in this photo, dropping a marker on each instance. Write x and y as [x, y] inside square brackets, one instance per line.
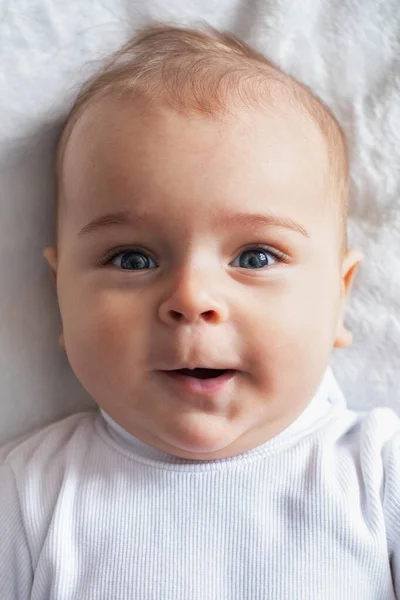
[202, 272]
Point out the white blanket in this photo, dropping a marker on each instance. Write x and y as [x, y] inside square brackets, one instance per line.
[347, 51]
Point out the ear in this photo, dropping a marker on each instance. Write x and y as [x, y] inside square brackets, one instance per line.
[352, 259]
[50, 254]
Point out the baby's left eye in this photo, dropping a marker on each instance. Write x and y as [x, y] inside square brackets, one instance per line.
[256, 258]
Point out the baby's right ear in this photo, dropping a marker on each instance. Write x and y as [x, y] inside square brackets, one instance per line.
[50, 255]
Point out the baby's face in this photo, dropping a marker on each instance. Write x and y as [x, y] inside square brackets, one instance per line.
[194, 281]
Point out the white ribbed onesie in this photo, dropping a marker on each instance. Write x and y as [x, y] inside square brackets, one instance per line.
[89, 512]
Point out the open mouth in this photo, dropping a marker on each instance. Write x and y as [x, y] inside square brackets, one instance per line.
[202, 373]
[201, 381]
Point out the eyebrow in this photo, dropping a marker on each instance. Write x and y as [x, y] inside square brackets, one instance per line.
[126, 218]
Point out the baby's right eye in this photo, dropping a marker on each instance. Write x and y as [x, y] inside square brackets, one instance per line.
[132, 259]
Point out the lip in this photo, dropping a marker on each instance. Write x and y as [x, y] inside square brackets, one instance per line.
[203, 387]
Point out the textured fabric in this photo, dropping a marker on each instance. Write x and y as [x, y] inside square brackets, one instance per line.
[87, 511]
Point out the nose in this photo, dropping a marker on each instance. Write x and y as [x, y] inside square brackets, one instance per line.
[193, 298]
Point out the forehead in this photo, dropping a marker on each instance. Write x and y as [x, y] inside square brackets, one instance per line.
[123, 156]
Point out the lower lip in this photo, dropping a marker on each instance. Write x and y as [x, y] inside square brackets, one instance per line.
[200, 386]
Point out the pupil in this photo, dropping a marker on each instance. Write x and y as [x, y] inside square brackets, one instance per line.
[255, 259]
[134, 260]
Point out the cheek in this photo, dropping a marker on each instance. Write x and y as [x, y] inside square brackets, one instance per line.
[289, 351]
[104, 335]
[293, 326]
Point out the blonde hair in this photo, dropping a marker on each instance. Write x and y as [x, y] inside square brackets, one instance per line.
[205, 72]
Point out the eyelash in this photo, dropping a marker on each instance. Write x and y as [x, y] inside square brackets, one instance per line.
[277, 254]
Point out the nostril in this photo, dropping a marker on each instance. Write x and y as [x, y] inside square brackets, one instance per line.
[208, 315]
[178, 316]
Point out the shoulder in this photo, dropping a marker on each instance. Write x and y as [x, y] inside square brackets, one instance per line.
[372, 429]
[379, 440]
[366, 444]
[367, 431]
[380, 424]
[373, 440]
[50, 444]
[381, 461]
[373, 435]
[376, 430]
[33, 472]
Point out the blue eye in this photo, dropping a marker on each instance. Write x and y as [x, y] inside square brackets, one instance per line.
[257, 258]
[132, 260]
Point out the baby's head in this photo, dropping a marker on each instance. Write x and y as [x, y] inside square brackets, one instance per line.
[202, 200]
